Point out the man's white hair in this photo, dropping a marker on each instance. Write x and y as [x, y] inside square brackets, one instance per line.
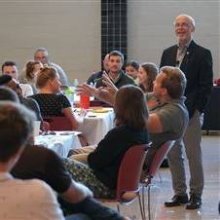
[191, 19]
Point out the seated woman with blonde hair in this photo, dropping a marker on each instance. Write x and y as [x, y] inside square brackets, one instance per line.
[50, 99]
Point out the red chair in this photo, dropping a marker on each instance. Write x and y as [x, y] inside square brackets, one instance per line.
[128, 187]
[58, 123]
[61, 123]
[154, 167]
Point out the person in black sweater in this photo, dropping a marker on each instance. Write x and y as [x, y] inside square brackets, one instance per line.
[101, 171]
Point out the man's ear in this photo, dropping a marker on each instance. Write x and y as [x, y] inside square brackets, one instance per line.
[164, 91]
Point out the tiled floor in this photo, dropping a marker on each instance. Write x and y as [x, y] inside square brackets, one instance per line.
[163, 190]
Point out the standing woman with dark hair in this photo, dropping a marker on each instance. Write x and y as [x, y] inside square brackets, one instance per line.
[101, 171]
[50, 99]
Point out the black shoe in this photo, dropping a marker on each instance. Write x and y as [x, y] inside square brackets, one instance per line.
[177, 201]
[195, 202]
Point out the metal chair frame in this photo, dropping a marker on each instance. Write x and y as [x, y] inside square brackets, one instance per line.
[128, 183]
[154, 167]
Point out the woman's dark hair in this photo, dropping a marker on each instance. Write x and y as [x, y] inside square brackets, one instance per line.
[4, 79]
[133, 63]
[130, 107]
[45, 74]
[7, 94]
[151, 70]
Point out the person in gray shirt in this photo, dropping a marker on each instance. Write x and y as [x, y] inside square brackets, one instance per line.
[168, 114]
[41, 54]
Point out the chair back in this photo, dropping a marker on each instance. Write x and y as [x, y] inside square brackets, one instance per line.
[159, 157]
[130, 172]
[58, 123]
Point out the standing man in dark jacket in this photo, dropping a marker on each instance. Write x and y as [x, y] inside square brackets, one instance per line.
[196, 62]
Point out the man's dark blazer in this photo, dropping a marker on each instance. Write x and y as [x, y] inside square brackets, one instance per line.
[197, 66]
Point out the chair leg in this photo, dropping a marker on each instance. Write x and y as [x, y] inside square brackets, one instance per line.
[149, 211]
[160, 177]
[118, 207]
[143, 200]
[142, 211]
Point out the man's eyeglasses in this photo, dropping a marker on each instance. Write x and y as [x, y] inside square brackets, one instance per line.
[182, 25]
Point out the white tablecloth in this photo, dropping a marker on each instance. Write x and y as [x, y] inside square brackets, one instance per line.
[96, 125]
[61, 142]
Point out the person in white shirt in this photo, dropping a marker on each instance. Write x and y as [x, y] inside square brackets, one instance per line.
[10, 68]
[21, 199]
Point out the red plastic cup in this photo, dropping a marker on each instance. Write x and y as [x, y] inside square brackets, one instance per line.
[84, 101]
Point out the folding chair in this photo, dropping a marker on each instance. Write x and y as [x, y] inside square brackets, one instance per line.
[128, 183]
[154, 167]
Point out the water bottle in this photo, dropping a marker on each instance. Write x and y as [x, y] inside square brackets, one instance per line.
[75, 83]
[69, 93]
